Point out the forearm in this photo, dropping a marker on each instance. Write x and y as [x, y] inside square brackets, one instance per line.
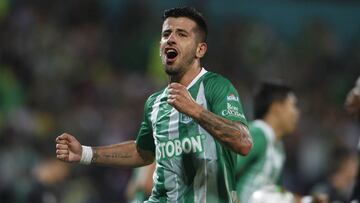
[231, 134]
[123, 154]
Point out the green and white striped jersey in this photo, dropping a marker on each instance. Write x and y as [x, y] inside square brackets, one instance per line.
[190, 165]
[264, 163]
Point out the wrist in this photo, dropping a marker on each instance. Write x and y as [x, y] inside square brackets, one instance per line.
[196, 112]
[86, 155]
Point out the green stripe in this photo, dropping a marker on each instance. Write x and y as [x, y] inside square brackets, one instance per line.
[222, 192]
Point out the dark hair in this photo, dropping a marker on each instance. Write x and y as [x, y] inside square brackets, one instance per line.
[267, 94]
[191, 13]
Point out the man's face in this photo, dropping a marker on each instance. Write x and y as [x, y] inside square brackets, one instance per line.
[178, 45]
[289, 113]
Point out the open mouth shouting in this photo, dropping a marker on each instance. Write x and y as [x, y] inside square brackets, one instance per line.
[171, 55]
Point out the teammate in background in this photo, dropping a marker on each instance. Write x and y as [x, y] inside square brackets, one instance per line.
[140, 185]
[193, 127]
[258, 174]
[352, 105]
[340, 181]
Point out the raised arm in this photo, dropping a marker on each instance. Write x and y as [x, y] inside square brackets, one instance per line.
[232, 134]
[125, 154]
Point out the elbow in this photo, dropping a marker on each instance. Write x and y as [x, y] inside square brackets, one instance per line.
[243, 147]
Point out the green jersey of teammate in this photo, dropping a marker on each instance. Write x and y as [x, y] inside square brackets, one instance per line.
[191, 166]
[277, 115]
[263, 165]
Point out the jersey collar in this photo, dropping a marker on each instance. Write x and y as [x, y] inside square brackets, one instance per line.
[202, 72]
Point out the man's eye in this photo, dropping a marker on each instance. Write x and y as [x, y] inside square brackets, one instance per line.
[182, 35]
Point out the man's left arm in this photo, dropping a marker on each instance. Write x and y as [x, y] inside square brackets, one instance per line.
[231, 134]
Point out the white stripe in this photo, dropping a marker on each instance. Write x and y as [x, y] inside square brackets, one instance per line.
[154, 113]
[173, 133]
[209, 157]
[202, 72]
[200, 193]
[155, 110]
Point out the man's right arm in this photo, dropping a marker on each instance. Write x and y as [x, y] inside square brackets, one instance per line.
[125, 154]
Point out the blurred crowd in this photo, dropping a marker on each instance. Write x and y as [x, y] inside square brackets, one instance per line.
[86, 67]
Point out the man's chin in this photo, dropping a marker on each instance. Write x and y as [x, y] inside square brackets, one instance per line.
[170, 70]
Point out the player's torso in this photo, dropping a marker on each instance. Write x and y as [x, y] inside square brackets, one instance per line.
[187, 156]
[267, 168]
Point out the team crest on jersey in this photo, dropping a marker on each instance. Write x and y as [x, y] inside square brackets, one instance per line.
[232, 97]
[185, 119]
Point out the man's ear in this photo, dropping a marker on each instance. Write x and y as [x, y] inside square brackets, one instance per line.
[201, 50]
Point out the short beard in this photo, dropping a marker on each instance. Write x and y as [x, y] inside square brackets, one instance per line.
[172, 71]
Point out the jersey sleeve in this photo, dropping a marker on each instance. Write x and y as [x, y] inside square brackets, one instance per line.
[145, 140]
[258, 149]
[224, 100]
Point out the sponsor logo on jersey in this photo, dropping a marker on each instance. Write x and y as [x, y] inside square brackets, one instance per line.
[177, 147]
[232, 97]
[232, 111]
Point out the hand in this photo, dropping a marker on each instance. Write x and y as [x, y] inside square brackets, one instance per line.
[68, 149]
[352, 103]
[180, 98]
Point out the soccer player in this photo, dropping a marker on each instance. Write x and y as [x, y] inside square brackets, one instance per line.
[352, 105]
[193, 127]
[258, 174]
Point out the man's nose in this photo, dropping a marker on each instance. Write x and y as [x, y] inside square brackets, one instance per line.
[171, 39]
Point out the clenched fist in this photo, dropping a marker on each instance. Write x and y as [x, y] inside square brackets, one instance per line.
[68, 149]
[180, 98]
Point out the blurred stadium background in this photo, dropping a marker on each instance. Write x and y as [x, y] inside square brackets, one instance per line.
[87, 66]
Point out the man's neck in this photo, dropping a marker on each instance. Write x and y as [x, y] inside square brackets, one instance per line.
[186, 78]
[272, 122]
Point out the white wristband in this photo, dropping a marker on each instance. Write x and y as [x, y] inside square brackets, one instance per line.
[87, 155]
[306, 199]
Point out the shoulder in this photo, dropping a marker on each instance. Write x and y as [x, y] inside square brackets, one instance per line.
[256, 130]
[214, 78]
[151, 99]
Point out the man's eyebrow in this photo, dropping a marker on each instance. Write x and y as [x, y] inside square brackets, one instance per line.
[176, 30]
[181, 30]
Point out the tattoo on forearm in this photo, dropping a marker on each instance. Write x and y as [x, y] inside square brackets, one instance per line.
[117, 155]
[223, 129]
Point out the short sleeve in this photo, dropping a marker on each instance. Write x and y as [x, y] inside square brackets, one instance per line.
[224, 100]
[145, 140]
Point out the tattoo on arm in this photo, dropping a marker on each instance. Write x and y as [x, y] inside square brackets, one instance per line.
[117, 155]
[226, 131]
